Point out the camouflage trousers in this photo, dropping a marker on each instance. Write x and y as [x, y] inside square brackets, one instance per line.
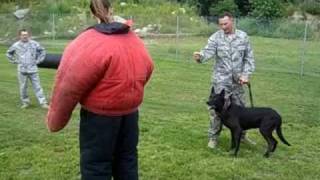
[238, 97]
[35, 81]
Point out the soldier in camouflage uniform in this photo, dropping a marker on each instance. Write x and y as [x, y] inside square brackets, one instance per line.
[27, 53]
[233, 66]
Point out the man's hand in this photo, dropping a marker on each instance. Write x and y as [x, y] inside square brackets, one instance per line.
[197, 57]
[243, 80]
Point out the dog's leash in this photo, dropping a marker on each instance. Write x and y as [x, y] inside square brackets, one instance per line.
[250, 94]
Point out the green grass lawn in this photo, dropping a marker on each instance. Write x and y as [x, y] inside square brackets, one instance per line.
[174, 119]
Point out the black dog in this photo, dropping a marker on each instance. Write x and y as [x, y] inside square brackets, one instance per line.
[238, 119]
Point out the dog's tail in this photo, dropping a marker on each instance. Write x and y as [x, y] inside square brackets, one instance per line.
[279, 132]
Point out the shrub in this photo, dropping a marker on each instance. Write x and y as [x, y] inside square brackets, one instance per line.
[249, 25]
[164, 15]
[287, 29]
[222, 6]
[266, 9]
[276, 28]
[311, 6]
[290, 9]
[7, 7]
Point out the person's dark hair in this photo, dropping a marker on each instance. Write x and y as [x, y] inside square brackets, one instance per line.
[22, 30]
[224, 14]
[100, 8]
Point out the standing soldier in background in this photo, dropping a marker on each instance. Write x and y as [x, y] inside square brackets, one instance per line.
[234, 64]
[27, 53]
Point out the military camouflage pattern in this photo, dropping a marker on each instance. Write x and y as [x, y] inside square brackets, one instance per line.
[35, 82]
[234, 58]
[27, 55]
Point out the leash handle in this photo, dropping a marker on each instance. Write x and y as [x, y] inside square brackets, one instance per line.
[250, 94]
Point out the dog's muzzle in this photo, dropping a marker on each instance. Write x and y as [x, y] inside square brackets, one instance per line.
[212, 107]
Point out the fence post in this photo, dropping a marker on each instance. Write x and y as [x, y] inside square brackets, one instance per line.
[53, 30]
[302, 58]
[177, 37]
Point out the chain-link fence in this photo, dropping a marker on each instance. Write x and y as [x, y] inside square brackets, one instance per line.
[50, 26]
[285, 44]
[280, 45]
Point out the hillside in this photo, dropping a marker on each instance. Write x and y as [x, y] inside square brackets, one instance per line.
[201, 7]
[66, 19]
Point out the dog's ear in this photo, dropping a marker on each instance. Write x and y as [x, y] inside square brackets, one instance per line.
[228, 101]
[222, 93]
[212, 90]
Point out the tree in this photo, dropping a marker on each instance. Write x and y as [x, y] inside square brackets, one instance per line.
[244, 7]
[202, 6]
[222, 6]
[266, 9]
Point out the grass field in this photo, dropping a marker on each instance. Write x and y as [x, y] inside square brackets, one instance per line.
[174, 120]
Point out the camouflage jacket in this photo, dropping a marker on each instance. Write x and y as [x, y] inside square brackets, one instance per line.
[234, 57]
[27, 55]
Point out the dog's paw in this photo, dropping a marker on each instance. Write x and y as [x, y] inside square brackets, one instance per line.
[232, 152]
[267, 155]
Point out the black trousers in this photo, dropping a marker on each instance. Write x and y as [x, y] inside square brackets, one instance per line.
[108, 146]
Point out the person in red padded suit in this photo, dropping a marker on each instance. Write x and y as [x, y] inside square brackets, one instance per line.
[104, 69]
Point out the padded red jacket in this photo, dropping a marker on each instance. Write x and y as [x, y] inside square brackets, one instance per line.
[104, 69]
